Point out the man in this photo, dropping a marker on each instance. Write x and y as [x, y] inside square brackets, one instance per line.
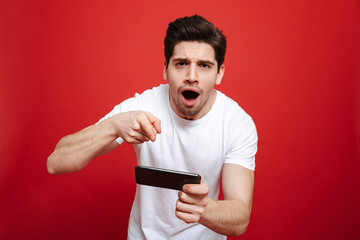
[184, 125]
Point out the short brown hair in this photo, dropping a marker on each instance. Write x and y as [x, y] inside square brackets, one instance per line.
[195, 28]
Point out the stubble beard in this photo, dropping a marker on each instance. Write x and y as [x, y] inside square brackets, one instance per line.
[190, 112]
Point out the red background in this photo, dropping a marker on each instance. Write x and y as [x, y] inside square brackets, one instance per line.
[292, 65]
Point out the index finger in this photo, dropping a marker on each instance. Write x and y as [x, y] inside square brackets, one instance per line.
[154, 121]
[146, 124]
[148, 130]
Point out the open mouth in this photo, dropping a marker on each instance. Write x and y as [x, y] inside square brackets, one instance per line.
[190, 95]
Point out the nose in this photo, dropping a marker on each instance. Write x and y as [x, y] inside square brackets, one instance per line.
[192, 76]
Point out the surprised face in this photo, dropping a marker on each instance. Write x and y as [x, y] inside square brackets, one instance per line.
[192, 73]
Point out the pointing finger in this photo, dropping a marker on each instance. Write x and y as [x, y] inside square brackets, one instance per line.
[148, 129]
[154, 121]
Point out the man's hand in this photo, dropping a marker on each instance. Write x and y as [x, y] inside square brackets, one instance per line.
[137, 126]
[192, 202]
[75, 151]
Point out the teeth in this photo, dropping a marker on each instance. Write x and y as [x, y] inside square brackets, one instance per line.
[190, 94]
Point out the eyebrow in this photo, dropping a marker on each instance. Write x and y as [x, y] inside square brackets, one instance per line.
[180, 59]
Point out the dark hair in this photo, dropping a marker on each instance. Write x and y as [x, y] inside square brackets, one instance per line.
[195, 28]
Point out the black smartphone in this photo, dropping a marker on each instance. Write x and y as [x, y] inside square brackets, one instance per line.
[164, 178]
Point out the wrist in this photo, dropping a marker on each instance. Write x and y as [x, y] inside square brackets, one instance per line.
[210, 207]
[108, 127]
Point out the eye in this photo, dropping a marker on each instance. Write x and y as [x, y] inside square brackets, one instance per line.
[180, 64]
[204, 65]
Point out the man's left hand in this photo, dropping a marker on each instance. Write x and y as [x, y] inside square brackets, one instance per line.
[192, 202]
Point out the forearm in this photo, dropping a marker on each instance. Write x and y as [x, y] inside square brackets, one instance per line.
[75, 151]
[228, 217]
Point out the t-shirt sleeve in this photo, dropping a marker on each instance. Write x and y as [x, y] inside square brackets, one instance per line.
[243, 143]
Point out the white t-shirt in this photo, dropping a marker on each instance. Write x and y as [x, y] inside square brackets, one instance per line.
[226, 134]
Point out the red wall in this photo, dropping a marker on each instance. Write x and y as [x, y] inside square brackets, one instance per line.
[293, 66]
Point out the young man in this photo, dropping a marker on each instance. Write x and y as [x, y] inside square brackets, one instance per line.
[184, 125]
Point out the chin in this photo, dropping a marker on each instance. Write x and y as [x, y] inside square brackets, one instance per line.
[190, 113]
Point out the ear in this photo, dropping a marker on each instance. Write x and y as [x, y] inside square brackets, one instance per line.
[165, 72]
[220, 75]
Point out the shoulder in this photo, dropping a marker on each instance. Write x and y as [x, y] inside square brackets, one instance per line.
[155, 92]
[236, 119]
[231, 108]
[241, 134]
[146, 101]
[141, 101]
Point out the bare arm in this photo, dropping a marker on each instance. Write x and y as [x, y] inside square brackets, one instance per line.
[228, 217]
[75, 151]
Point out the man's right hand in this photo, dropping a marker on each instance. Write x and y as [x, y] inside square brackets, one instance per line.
[136, 126]
[75, 151]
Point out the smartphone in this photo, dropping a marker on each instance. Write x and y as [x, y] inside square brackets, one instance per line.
[164, 178]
